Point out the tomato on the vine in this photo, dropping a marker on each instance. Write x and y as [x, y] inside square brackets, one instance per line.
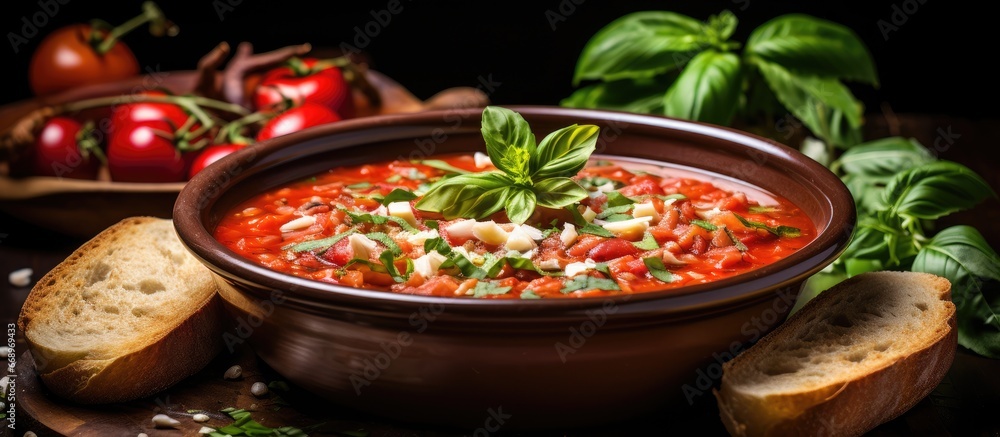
[211, 154]
[146, 152]
[306, 80]
[138, 112]
[86, 54]
[63, 148]
[296, 119]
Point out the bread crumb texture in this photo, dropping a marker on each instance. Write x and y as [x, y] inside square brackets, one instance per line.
[850, 335]
[134, 278]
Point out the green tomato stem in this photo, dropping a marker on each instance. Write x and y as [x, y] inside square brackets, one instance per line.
[159, 25]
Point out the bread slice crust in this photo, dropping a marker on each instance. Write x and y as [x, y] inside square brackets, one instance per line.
[764, 392]
[100, 335]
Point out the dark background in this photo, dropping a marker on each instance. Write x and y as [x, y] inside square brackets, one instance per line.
[934, 63]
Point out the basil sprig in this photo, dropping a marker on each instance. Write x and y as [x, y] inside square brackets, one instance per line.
[660, 62]
[529, 175]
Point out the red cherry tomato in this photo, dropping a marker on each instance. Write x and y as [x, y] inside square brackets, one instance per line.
[57, 151]
[612, 248]
[66, 59]
[210, 155]
[311, 83]
[296, 119]
[125, 114]
[139, 152]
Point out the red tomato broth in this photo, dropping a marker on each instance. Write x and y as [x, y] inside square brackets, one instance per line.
[252, 230]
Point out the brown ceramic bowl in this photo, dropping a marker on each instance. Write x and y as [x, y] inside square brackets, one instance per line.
[460, 361]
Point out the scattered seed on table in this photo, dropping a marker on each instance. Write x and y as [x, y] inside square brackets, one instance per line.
[258, 389]
[164, 421]
[200, 418]
[20, 277]
[233, 372]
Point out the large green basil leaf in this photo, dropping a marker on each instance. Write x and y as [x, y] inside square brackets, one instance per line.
[884, 157]
[558, 192]
[642, 44]
[812, 46]
[708, 89]
[564, 153]
[509, 141]
[960, 254]
[644, 96]
[935, 190]
[824, 105]
[459, 196]
[520, 204]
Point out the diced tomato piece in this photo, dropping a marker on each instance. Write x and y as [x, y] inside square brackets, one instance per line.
[583, 245]
[352, 278]
[339, 254]
[612, 248]
[545, 285]
[645, 186]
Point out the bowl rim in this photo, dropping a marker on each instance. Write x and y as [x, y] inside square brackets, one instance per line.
[739, 289]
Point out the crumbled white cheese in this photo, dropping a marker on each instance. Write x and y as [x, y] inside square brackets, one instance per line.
[606, 187]
[482, 160]
[403, 211]
[20, 277]
[461, 228]
[299, 223]
[568, 235]
[533, 232]
[519, 240]
[361, 246]
[419, 238]
[428, 264]
[489, 233]
[381, 210]
[575, 268]
[671, 259]
[549, 264]
[646, 209]
[708, 214]
[589, 214]
[631, 229]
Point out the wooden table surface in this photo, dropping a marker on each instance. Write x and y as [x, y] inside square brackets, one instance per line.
[964, 404]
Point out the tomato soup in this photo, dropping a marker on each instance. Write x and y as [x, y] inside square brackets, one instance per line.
[640, 228]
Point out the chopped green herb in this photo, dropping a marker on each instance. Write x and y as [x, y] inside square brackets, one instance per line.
[612, 210]
[603, 268]
[669, 197]
[647, 243]
[781, 231]
[357, 218]
[591, 183]
[360, 186]
[546, 233]
[577, 217]
[441, 165]
[529, 294]
[394, 178]
[593, 229]
[386, 241]
[486, 288]
[618, 218]
[455, 259]
[389, 261]
[431, 224]
[244, 425]
[398, 195]
[324, 243]
[760, 209]
[656, 268]
[704, 225]
[736, 241]
[618, 199]
[586, 282]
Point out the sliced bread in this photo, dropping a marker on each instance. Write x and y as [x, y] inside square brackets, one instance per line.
[858, 355]
[128, 314]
